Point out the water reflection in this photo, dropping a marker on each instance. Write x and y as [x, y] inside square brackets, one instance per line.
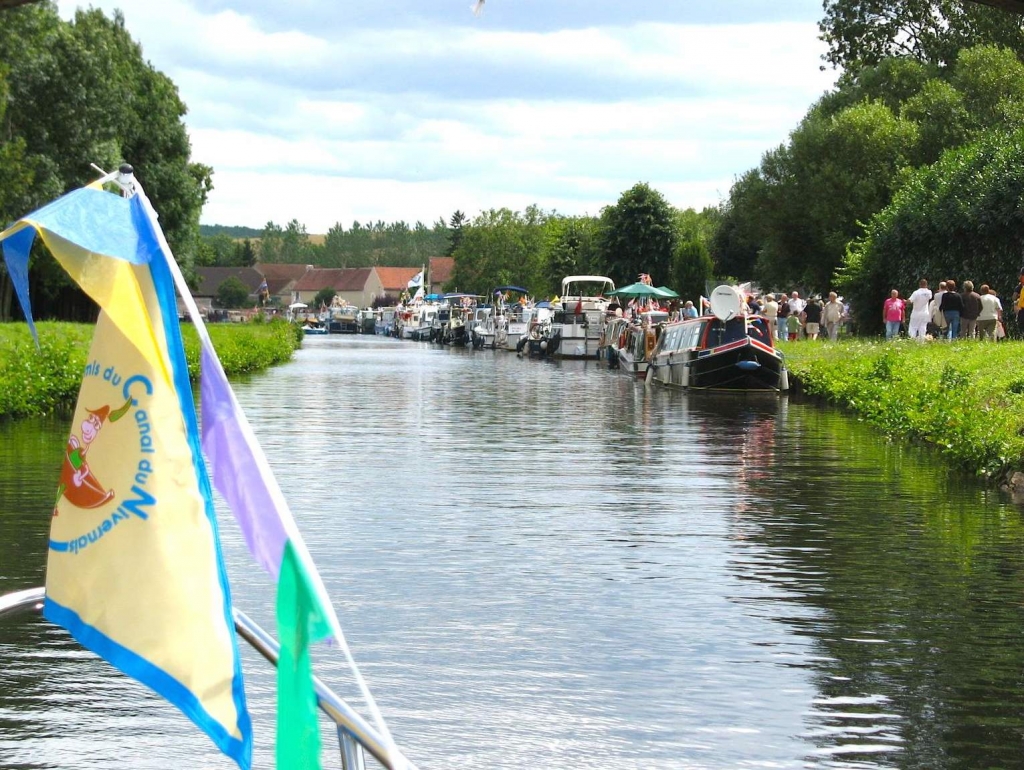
[546, 563]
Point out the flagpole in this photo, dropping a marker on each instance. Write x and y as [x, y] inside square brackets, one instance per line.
[125, 178]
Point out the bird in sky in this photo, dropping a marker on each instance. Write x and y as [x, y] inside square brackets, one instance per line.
[478, 7]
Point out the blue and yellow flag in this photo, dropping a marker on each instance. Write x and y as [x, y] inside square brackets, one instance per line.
[134, 569]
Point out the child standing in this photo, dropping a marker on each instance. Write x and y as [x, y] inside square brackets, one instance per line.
[793, 325]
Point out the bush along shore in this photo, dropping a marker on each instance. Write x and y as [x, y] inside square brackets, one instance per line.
[39, 381]
[966, 398]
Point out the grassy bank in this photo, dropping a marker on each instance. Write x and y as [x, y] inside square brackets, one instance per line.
[965, 398]
[36, 382]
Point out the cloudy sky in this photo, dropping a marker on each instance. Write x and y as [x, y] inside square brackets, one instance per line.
[328, 111]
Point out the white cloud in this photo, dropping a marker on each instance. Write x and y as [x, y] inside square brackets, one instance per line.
[337, 121]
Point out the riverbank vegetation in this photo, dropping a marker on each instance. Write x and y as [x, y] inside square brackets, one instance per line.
[965, 398]
[46, 380]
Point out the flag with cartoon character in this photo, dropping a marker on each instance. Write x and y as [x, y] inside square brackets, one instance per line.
[134, 570]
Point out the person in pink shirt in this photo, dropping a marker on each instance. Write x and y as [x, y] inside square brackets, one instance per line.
[892, 314]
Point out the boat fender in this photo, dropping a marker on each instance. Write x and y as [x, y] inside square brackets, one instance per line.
[649, 344]
[784, 379]
[748, 365]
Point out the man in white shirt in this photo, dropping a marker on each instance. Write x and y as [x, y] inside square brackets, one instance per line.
[796, 307]
[920, 302]
[832, 315]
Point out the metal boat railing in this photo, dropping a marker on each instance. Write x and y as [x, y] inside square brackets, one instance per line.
[356, 737]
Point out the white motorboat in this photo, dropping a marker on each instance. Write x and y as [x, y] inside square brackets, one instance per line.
[417, 320]
[580, 316]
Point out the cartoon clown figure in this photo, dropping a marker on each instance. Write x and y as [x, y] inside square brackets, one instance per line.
[78, 485]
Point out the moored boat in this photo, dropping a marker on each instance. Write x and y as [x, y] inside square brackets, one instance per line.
[314, 328]
[492, 329]
[417, 321]
[613, 337]
[384, 321]
[638, 342]
[342, 318]
[580, 317]
[542, 340]
[729, 350]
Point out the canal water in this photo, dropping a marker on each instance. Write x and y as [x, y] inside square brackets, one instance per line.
[544, 564]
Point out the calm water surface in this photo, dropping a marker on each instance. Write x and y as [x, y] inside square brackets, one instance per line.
[544, 565]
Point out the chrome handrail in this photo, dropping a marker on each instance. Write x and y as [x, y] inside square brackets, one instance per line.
[354, 733]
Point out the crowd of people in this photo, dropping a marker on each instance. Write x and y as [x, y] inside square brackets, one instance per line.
[791, 317]
[948, 313]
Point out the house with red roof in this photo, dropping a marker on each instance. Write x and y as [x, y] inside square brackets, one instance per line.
[395, 280]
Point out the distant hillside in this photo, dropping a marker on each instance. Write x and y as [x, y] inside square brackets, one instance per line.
[234, 231]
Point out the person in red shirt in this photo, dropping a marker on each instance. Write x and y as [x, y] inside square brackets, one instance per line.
[892, 314]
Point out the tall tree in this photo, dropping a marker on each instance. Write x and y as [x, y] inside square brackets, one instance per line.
[455, 225]
[692, 269]
[864, 32]
[271, 242]
[638, 236]
[570, 249]
[500, 247]
[81, 93]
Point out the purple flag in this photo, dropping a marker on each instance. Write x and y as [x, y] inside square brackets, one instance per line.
[239, 468]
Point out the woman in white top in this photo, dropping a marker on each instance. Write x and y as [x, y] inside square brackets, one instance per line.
[991, 313]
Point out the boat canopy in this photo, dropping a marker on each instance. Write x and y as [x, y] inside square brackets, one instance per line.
[459, 295]
[520, 289]
[586, 279]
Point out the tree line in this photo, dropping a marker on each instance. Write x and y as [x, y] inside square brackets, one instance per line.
[395, 244]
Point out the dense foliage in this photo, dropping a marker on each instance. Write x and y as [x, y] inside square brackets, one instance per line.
[499, 248]
[965, 398]
[80, 92]
[960, 218]
[232, 293]
[47, 379]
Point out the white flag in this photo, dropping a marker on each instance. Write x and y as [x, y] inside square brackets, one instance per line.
[417, 280]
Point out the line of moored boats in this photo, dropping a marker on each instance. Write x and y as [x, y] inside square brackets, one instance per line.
[725, 349]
